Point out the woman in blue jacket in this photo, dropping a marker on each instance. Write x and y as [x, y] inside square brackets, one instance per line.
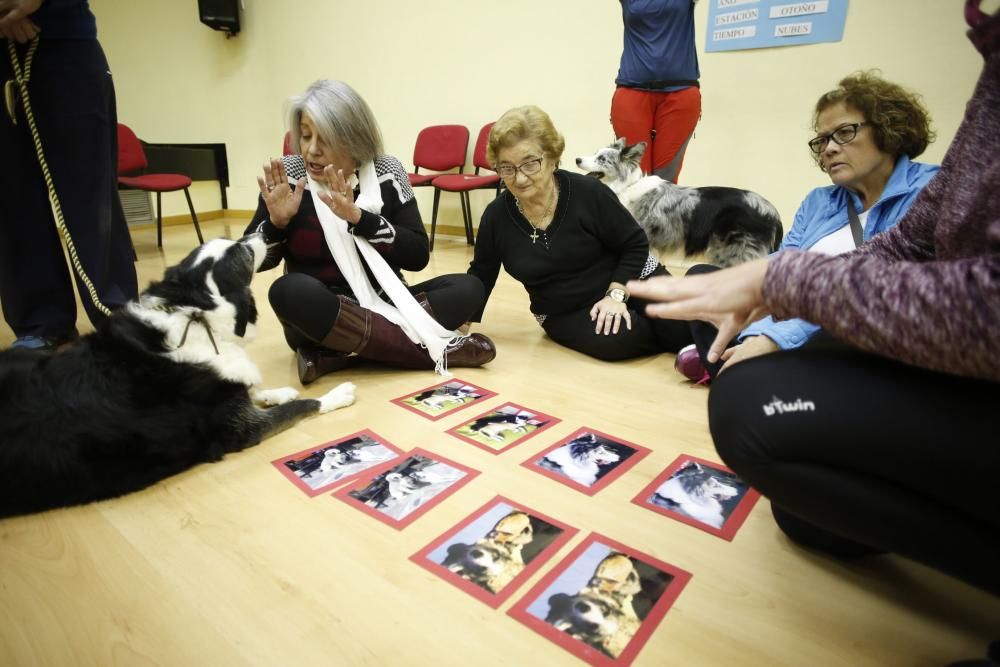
[868, 131]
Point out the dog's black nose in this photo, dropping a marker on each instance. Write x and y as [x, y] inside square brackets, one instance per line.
[578, 161]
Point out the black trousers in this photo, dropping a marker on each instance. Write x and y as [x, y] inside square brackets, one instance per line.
[859, 453]
[73, 99]
[647, 336]
[308, 309]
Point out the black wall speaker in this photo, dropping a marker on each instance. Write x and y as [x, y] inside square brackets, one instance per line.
[220, 14]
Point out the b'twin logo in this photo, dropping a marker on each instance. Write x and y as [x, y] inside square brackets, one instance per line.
[777, 406]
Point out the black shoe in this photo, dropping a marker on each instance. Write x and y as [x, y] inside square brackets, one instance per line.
[315, 362]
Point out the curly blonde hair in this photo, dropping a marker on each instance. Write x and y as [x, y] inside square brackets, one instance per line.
[898, 118]
[521, 123]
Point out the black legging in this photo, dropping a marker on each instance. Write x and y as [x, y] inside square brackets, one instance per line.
[647, 336]
[308, 309]
[859, 454]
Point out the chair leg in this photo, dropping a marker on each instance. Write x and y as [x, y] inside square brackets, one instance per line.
[434, 216]
[194, 217]
[159, 222]
[467, 216]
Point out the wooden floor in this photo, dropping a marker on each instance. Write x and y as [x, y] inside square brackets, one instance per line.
[230, 564]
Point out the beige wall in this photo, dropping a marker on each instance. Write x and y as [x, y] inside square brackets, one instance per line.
[466, 61]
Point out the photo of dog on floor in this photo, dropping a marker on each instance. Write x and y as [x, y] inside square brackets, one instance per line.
[602, 601]
[493, 549]
[504, 427]
[702, 494]
[319, 469]
[163, 385]
[587, 460]
[401, 491]
[443, 399]
[728, 225]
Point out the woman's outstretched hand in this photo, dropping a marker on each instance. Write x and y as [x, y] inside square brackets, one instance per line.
[341, 197]
[282, 202]
[729, 299]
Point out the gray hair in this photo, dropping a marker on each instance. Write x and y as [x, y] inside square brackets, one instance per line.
[342, 118]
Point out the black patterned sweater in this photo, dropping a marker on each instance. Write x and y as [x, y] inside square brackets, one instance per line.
[398, 233]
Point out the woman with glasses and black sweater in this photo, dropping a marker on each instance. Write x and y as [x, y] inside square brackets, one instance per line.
[571, 243]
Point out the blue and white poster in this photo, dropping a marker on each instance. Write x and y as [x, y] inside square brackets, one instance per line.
[758, 24]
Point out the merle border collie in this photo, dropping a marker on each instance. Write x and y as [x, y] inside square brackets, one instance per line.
[728, 225]
[164, 384]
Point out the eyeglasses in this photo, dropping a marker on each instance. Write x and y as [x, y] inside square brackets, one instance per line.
[842, 135]
[528, 168]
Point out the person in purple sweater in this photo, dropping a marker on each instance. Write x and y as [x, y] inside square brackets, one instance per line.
[881, 436]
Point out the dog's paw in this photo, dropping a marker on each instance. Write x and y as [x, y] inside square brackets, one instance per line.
[278, 396]
[339, 397]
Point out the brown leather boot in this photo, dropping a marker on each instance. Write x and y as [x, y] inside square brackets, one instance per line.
[471, 351]
[315, 362]
[372, 336]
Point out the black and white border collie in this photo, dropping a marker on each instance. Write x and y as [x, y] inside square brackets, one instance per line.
[164, 384]
[729, 225]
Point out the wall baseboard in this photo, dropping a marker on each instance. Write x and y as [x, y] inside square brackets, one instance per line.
[247, 214]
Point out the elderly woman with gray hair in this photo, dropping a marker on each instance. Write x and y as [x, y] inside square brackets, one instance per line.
[342, 216]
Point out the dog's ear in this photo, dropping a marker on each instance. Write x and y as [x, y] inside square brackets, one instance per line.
[558, 606]
[619, 144]
[634, 153]
[456, 552]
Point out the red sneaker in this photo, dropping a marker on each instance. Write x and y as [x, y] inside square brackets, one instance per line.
[688, 363]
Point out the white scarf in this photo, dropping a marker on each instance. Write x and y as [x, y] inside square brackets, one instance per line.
[407, 313]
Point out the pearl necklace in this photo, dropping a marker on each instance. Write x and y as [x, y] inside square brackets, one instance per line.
[553, 198]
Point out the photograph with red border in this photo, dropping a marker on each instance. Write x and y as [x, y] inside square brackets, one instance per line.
[495, 549]
[587, 460]
[602, 602]
[700, 493]
[401, 491]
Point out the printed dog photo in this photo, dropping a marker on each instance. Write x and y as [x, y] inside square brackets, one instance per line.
[443, 399]
[587, 460]
[702, 494]
[319, 469]
[404, 490]
[498, 430]
[603, 601]
[498, 545]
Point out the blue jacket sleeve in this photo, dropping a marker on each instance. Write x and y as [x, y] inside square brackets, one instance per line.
[788, 334]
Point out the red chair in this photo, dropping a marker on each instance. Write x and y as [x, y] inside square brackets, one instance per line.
[465, 183]
[439, 148]
[131, 158]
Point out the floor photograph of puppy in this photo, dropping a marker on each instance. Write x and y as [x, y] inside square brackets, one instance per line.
[504, 427]
[602, 601]
[443, 399]
[319, 469]
[587, 460]
[493, 550]
[702, 494]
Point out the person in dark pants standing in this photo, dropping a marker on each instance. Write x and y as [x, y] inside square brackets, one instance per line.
[72, 98]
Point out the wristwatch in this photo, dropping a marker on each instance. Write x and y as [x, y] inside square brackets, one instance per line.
[617, 294]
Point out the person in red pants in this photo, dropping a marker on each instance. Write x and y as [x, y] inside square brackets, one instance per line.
[657, 99]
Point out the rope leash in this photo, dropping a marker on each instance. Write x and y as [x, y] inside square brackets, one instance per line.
[22, 84]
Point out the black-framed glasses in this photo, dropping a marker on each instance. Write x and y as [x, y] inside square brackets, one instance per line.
[528, 168]
[842, 135]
